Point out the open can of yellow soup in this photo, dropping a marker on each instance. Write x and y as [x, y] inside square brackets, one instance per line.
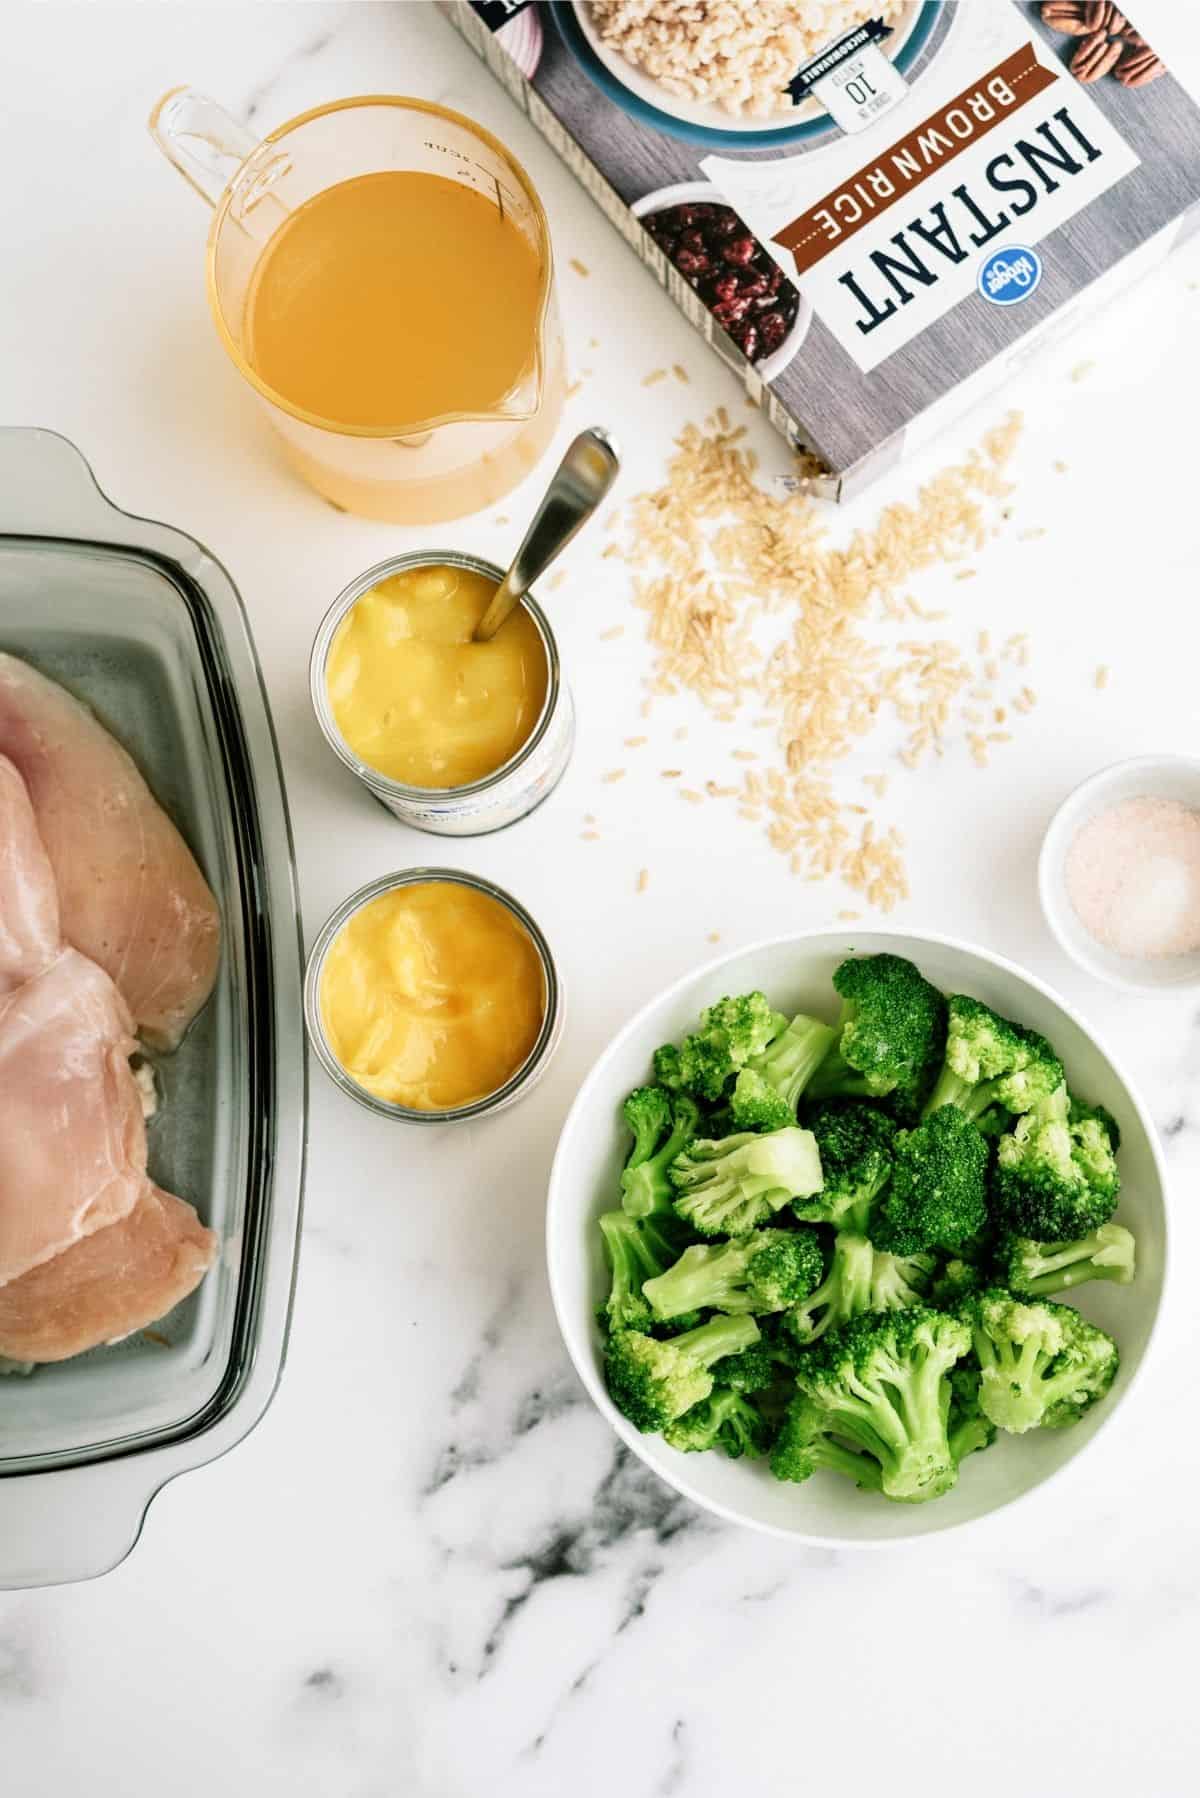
[453, 736]
[431, 996]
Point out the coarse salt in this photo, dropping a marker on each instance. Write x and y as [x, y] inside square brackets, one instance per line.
[1133, 877]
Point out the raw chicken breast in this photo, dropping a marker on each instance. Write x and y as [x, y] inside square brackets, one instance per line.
[29, 937]
[130, 893]
[115, 1281]
[72, 1136]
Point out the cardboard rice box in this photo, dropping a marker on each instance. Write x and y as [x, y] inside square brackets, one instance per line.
[873, 238]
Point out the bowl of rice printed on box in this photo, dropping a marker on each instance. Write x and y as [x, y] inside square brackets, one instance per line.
[718, 70]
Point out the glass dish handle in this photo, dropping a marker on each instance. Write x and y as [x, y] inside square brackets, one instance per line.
[71, 1524]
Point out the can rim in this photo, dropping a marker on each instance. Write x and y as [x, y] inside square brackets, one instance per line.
[534, 1062]
[318, 686]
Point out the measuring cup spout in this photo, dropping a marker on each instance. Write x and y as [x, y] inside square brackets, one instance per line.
[199, 138]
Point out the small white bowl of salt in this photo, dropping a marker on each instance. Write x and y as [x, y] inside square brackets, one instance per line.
[1119, 873]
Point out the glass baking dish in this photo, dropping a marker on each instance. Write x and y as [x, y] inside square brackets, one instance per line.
[140, 622]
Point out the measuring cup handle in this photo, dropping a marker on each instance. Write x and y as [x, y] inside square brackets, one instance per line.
[201, 140]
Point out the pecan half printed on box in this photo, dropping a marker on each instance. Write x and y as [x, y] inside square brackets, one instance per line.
[1108, 44]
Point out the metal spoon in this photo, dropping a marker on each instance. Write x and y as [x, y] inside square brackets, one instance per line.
[581, 480]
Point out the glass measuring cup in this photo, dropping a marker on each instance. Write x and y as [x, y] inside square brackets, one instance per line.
[412, 470]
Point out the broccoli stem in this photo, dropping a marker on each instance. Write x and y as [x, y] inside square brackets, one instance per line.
[840, 1459]
[836, 1079]
[1039, 1270]
[719, 1336]
[951, 1089]
[637, 1251]
[875, 1428]
[705, 1276]
[842, 1294]
[1011, 1372]
[789, 1063]
[969, 1436]
[904, 1427]
[645, 1189]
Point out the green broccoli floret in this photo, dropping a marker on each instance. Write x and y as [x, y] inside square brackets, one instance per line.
[731, 1032]
[967, 1428]
[890, 1032]
[881, 1382]
[653, 1382]
[806, 1443]
[647, 1111]
[1055, 1180]
[765, 1271]
[855, 1146]
[638, 1250]
[859, 1278]
[784, 1068]
[755, 1105]
[955, 1281]
[900, 1280]
[645, 1188]
[936, 1198]
[727, 1421]
[1080, 1112]
[751, 1371]
[994, 1122]
[1042, 1364]
[1093, 1150]
[991, 1061]
[1040, 1269]
[727, 1187]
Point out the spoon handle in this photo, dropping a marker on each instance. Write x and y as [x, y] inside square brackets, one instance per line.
[582, 479]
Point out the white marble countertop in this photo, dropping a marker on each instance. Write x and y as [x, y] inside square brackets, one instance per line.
[429, 1573]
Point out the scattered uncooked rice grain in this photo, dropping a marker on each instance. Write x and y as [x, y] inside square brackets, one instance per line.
[615, 630]
[654, 377]
[643, 880]
[721, 561]
[581, 268]
[1102, 676]
[613, 774]
[738, 54]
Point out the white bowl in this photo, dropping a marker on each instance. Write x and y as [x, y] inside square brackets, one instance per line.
[694, 193]
[1144, 776]
[796, 973]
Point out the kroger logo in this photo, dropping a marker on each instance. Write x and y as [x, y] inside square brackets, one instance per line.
[1010, 275]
